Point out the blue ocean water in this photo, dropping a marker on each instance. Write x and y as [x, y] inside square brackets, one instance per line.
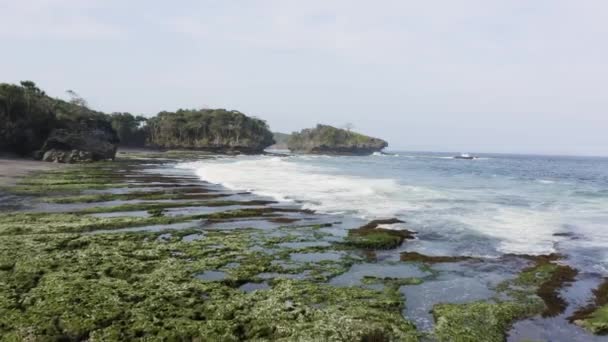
[488, 207]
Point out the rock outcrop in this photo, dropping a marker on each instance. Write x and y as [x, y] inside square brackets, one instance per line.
[325, 139]
[213, 130]
[32, 123]
[80, 145]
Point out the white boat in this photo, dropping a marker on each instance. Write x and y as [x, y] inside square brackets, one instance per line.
[464, 156]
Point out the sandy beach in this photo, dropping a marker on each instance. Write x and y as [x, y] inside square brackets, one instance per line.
[12, 168]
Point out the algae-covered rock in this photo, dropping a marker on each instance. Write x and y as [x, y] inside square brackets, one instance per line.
[594, 316]
[372, 236]
[325, 139]
[478, 321]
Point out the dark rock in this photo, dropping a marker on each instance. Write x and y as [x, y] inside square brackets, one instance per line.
[74, 156]
[418, 257]
[80, 145]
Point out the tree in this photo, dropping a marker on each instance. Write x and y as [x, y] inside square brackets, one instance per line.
[77, 99]
[348, 126]
[131, 129]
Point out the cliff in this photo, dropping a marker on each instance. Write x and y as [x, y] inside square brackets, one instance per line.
[214, 130]
[34, 124]
[325, 139]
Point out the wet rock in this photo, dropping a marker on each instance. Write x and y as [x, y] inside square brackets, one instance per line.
[61, 156]
[370, 236]
[418, 257]
[594, 317]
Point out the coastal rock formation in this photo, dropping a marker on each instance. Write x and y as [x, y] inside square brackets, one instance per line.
[214, 130]
[60, 156]
[325, 139]
[32, 123]
[72, 146]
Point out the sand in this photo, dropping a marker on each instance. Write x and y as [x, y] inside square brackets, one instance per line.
[14, 168]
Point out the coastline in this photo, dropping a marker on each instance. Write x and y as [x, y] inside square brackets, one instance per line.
[234, 265]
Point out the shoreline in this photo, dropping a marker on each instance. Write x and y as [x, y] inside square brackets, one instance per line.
[233, 250]
[13, 168]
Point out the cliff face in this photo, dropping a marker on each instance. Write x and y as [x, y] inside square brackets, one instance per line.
[325, 139]
[32, 123]
[215, 130]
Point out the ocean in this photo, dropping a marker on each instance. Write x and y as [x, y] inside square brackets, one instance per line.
[487, 207]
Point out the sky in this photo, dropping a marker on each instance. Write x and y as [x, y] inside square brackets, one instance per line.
[508, 76]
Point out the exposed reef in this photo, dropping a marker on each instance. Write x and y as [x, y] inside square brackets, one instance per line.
[594, 316]
[417, 257]
[370, 236]
[77, 276]
[120, 251]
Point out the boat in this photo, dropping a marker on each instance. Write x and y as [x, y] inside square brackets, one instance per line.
[464, 156]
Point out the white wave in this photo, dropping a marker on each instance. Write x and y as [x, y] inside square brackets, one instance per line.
[319, 189]
[330, 190]
[519, 230]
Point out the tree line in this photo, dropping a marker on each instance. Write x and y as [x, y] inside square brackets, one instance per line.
[28, 115]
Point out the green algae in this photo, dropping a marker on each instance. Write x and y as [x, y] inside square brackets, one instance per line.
[370, 236]
[545, 279]
[59, 284]
[150, 196]
[130, 287]
[168, 205]
[596, 321]
[374, 239]
[241, 213]
[391, 282]
[17, 223]
[594, 317]
[534, 291]
[478, 321]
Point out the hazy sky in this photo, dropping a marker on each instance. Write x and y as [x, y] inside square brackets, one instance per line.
[477, 76]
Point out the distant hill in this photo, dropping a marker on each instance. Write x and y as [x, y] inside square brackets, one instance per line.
[280, 141]
[325, 139]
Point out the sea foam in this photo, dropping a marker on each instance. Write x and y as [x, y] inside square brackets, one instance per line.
[442, 206]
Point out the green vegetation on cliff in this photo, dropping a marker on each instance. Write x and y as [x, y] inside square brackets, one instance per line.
[331, 140]
[31, 121]
[209, 129]
[28, 117]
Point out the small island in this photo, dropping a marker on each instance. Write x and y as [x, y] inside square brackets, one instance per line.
[325, 139]
[213, 130]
